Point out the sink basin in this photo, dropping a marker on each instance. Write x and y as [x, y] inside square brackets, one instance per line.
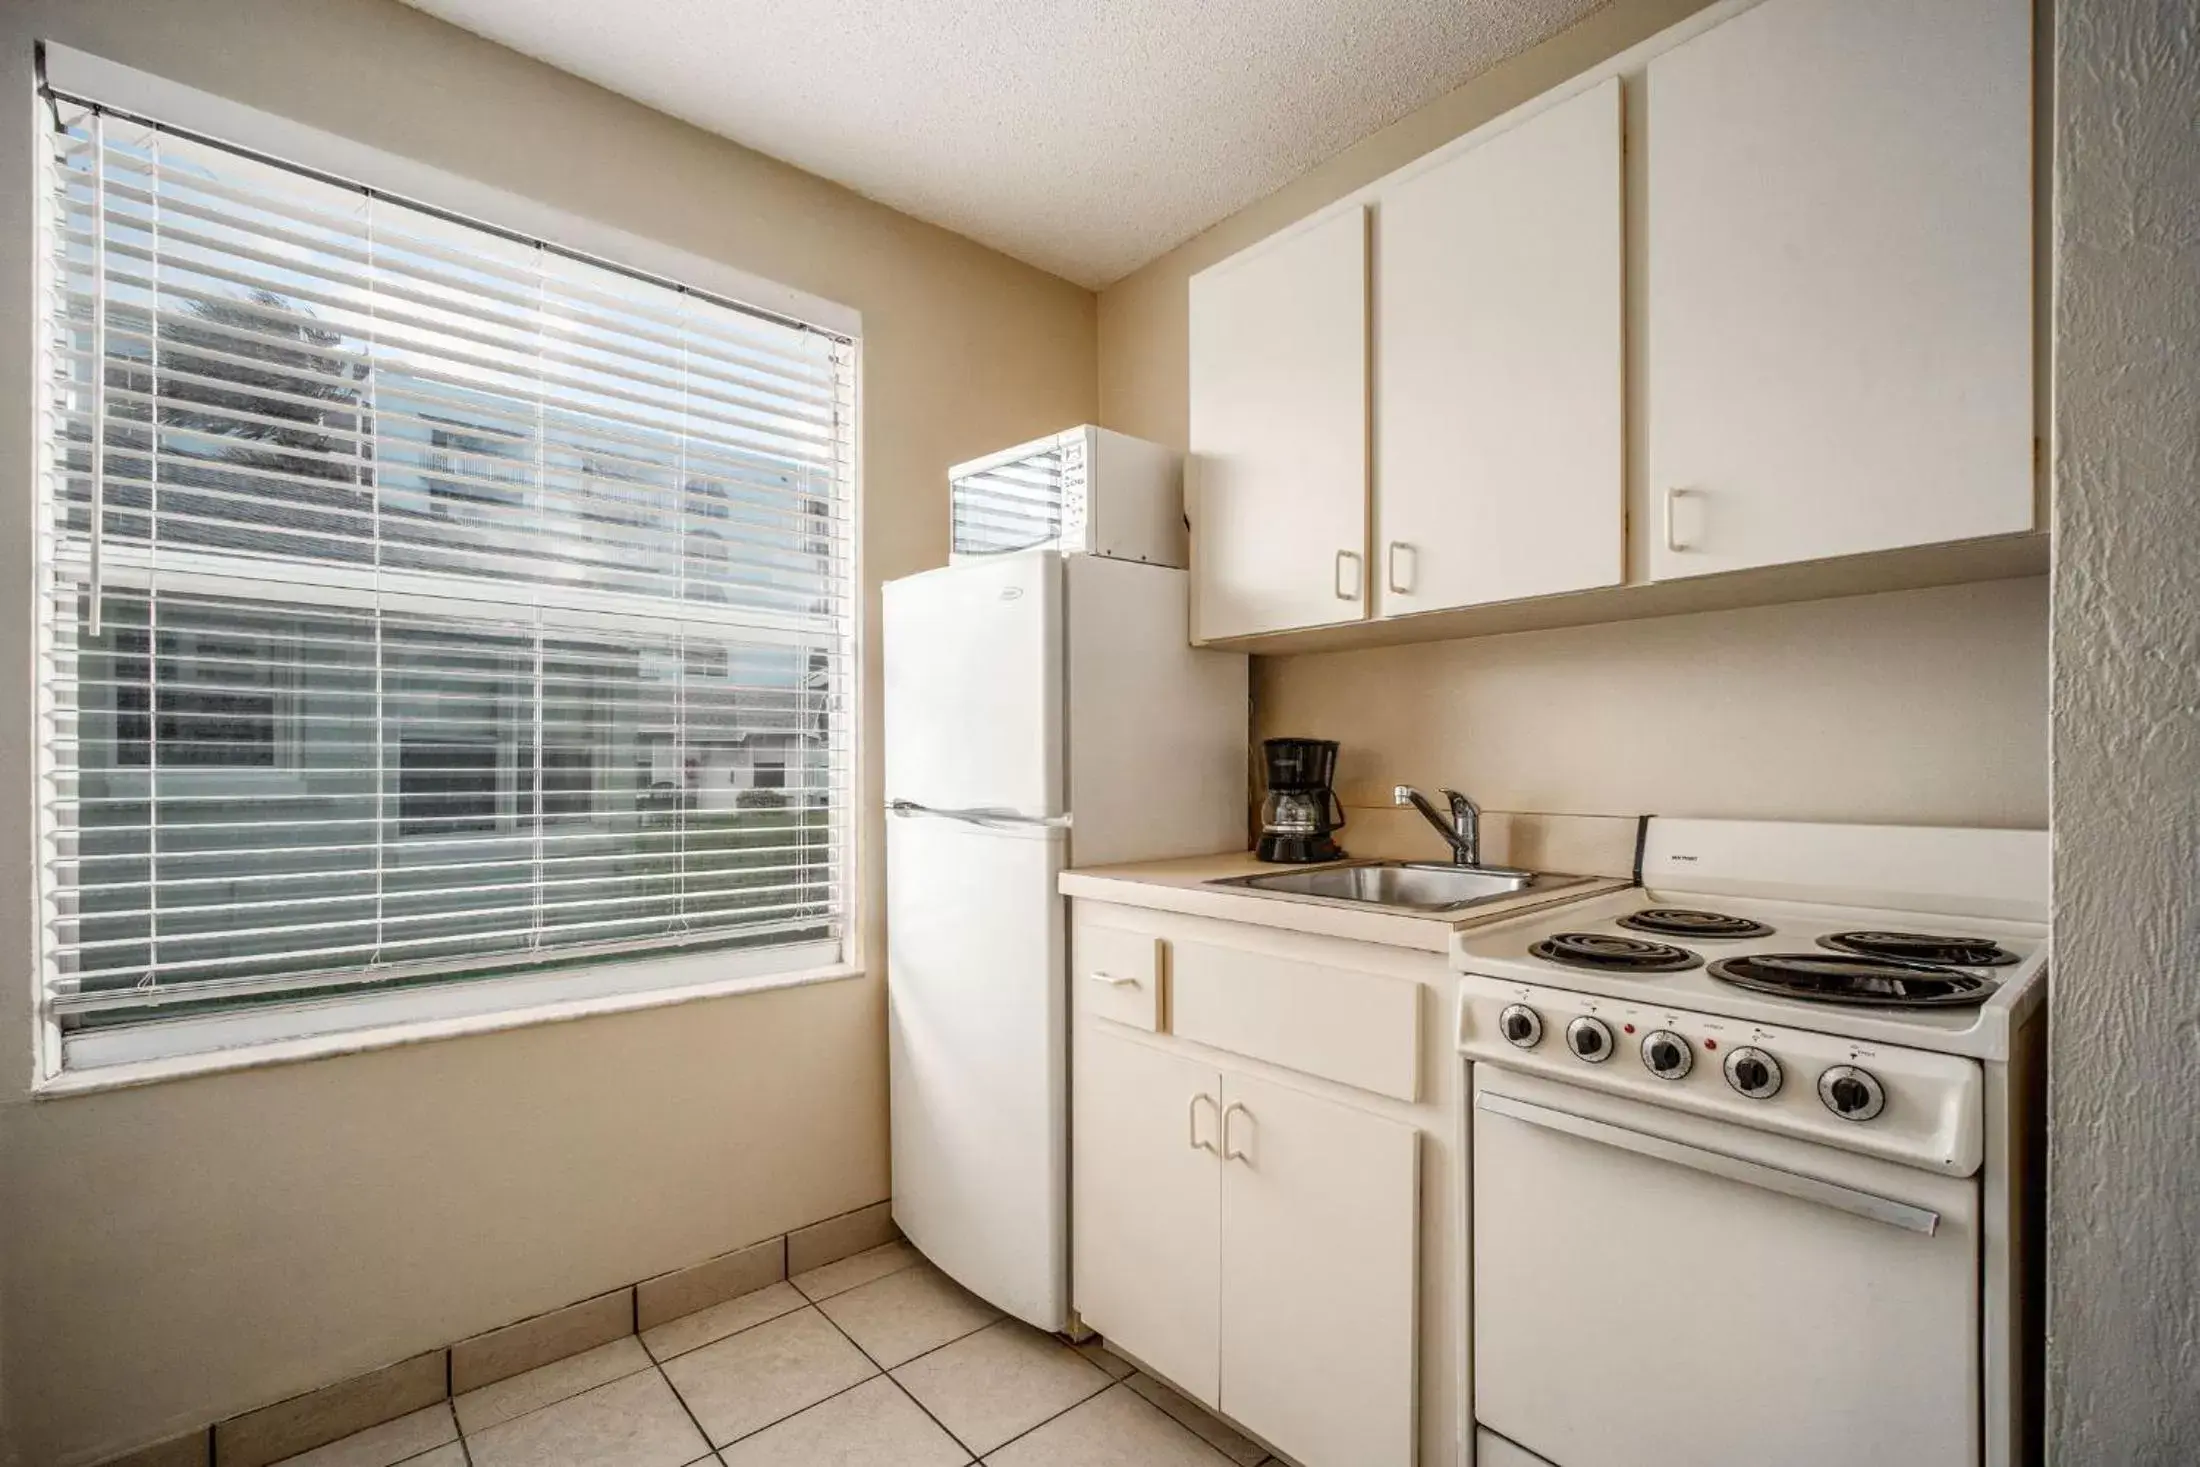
[1420, 886]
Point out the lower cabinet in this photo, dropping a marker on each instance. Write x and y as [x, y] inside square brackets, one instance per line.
[1254, 1243]
[1146, 1205]
[1319, 1210]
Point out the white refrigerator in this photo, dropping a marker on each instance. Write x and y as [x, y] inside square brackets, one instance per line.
[1040, 711]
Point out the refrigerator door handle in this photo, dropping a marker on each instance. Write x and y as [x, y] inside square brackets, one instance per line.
[989, 818]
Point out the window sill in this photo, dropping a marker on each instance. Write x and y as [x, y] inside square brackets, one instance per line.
[260, 1055]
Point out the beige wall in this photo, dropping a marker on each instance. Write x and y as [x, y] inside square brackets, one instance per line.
[1722, 713]
[196, 1248]
[1926, 707]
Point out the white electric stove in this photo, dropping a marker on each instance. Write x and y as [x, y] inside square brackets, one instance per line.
[1752, 1147]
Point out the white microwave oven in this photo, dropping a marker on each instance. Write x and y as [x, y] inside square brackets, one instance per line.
[1086, 491]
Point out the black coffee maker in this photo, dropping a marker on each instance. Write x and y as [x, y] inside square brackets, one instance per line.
[1301, 809]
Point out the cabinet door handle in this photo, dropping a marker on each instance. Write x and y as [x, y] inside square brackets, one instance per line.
[1191, 1121]
[1114, 980]
[1235, 1107]
[1351, 558]
[1673, 540]
[1401, 585]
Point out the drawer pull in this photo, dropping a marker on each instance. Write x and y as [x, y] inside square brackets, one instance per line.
[1115, 980]
[1229, 1153]
[1401, 585]
[1673, 541]
[1191, 1121]
[1351, 558]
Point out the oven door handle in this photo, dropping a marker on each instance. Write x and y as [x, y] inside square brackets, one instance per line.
[1716, 1163]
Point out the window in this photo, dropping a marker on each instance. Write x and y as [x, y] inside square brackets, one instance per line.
[419, 606]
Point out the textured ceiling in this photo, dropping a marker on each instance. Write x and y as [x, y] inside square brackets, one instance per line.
[1084, 136]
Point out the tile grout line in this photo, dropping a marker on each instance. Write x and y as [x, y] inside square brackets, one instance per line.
[458, 1441]
[710, 1448]
[878, 1369]
[897, 1385]
[878, 1372]
[465, 1453]
[807, 1303]
[910, 1396]
[1266, 1459]
[1107, 1383]
[561, 1400]
[1057, 1416]
[918, 1260]
[791, 1415]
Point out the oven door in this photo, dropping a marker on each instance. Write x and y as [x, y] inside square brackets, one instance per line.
[1659, 1290]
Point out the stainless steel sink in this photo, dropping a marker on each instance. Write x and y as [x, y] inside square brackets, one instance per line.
[1418, 886]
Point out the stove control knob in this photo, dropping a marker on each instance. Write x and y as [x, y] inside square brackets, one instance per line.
[1667, 1055]
[1851, 1093]
[1753, 1073]
[1591, 1039]
[1521, 1025]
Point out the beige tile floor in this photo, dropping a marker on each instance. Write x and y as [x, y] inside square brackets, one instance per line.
[875, 1361]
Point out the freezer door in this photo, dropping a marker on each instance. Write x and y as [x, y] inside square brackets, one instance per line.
[973, 707]
[977, 1057]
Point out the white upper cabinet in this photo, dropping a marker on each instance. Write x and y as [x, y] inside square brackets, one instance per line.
[1499, 399]
[1840, 286]
[1780, 304]
[1278, 473]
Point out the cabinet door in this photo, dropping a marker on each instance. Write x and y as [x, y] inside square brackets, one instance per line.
[1146, 1203]
[1840, 282]
[1320, 1210]
[1498, 471]
[1278, 472]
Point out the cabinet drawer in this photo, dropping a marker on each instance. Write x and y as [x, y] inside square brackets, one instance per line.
[1360, 1029]
[1120, 973]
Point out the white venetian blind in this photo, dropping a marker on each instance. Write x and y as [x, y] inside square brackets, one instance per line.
[418, 602]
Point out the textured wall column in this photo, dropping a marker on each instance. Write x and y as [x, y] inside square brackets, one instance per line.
[2124, 1228]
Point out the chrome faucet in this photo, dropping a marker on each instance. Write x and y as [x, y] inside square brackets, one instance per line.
[1463, 832]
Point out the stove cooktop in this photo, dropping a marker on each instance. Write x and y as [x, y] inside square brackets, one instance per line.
[1869, 969]
[1608, 952]
[1863, 982]
[1903, 977]
[1694, 922]
[1922, 947]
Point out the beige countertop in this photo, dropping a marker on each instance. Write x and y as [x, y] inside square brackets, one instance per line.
[1183, 886]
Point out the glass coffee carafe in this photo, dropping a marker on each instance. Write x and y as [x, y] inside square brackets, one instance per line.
[1300, 810]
